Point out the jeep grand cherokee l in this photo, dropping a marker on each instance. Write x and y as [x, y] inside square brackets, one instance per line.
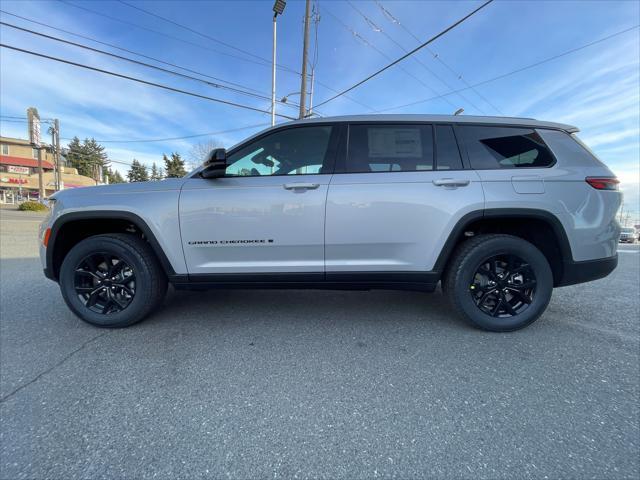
[498, 210]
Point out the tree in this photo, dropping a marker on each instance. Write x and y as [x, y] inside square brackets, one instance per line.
[199, 152]
[114, 176]
[156, 173]
[174, 166]
[138, 172]
[88, 157]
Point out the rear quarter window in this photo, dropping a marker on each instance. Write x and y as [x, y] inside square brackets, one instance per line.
[491, 148]
[568, 148]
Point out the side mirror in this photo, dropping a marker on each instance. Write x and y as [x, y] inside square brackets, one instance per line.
[216, 164]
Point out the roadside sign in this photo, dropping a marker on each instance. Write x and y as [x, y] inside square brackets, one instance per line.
[34, 126]
[16, 169]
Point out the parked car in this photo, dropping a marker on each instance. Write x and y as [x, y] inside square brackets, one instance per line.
[628, 235]
[498, 210]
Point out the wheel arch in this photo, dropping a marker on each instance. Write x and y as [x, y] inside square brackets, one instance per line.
[540, 227]
[111, 221]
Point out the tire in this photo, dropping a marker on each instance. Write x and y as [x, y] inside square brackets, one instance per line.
[480, 287]
[88, 287]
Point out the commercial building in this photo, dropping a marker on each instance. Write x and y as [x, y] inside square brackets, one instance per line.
[19, 171]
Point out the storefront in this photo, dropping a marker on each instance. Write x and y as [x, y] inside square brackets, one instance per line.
[19, 187]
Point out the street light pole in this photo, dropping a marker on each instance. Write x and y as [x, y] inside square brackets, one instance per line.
[278, 8]
[273, 74]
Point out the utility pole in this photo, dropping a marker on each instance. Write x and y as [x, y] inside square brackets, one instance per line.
[40, 179]
[54, 130]
[316, 20]
[278, 8]
[59, 182]
[305, 53]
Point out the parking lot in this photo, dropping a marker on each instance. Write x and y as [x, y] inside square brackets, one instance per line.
[288, 384]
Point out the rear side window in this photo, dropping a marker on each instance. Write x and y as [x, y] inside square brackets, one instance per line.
[569, 149]
[389, 148]
[505, 147]
[447, 153]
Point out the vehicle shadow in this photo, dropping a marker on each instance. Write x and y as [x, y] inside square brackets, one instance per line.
[310, 306]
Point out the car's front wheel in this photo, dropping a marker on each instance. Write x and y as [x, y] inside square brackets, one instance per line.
[499, 283]
[112, 280]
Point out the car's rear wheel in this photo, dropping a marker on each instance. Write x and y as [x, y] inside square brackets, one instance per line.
[499, 283]
[112, 280]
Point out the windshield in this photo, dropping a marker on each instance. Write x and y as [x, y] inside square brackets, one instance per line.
[628, 230]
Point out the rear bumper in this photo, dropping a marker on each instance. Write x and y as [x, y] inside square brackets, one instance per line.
[588, 270]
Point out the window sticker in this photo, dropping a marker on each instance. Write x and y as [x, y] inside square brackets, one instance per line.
[394, 143]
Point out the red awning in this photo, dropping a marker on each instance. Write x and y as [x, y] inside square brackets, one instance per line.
[24, 162]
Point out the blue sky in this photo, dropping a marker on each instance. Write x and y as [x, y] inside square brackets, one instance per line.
[597, 88]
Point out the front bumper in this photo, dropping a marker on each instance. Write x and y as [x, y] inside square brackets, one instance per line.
[587, 271]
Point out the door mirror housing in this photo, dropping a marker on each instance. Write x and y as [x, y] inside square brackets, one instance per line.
[215, 165]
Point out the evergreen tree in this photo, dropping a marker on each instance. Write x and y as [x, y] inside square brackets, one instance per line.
[156, 173]
[114, 176]
[138, 172]
[174, 166]
[88, 157]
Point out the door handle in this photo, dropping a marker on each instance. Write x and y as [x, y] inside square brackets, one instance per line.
[301, 186]
[450, 182]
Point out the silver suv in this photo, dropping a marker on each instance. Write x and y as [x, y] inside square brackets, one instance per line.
[499, 210]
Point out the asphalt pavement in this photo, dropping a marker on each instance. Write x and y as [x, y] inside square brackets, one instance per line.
[315, 384]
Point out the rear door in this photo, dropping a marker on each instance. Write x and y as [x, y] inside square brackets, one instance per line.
[398, 191]
[267, 214]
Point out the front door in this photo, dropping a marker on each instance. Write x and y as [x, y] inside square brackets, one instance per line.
[266, 215]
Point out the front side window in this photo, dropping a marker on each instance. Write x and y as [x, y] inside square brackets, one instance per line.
[389, 148]
[294, 151]
[505, 147]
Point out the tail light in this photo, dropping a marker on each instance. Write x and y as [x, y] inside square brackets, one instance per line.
[603, 183]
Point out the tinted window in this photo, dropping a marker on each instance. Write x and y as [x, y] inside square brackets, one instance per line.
[294, 151]
[390, 148]
[569, 149]
[447, 153]
[505, 147]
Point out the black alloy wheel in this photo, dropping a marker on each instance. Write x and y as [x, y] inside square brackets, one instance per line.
[503, 286]
[112, 280]
[105, 284]
[498, 282]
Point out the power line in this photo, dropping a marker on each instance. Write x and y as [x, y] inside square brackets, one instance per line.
[131, 60]
[408, 54]
[110, 45]
[145, 82]
[281, 67]
[157, 32]
[378, 29]
[518, 70]
[365, 42]
[204, 35]
[147, 140]
[435, 55]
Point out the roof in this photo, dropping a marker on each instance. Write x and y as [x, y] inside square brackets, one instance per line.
[16, 141]
[23, 162]
[460, 119]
